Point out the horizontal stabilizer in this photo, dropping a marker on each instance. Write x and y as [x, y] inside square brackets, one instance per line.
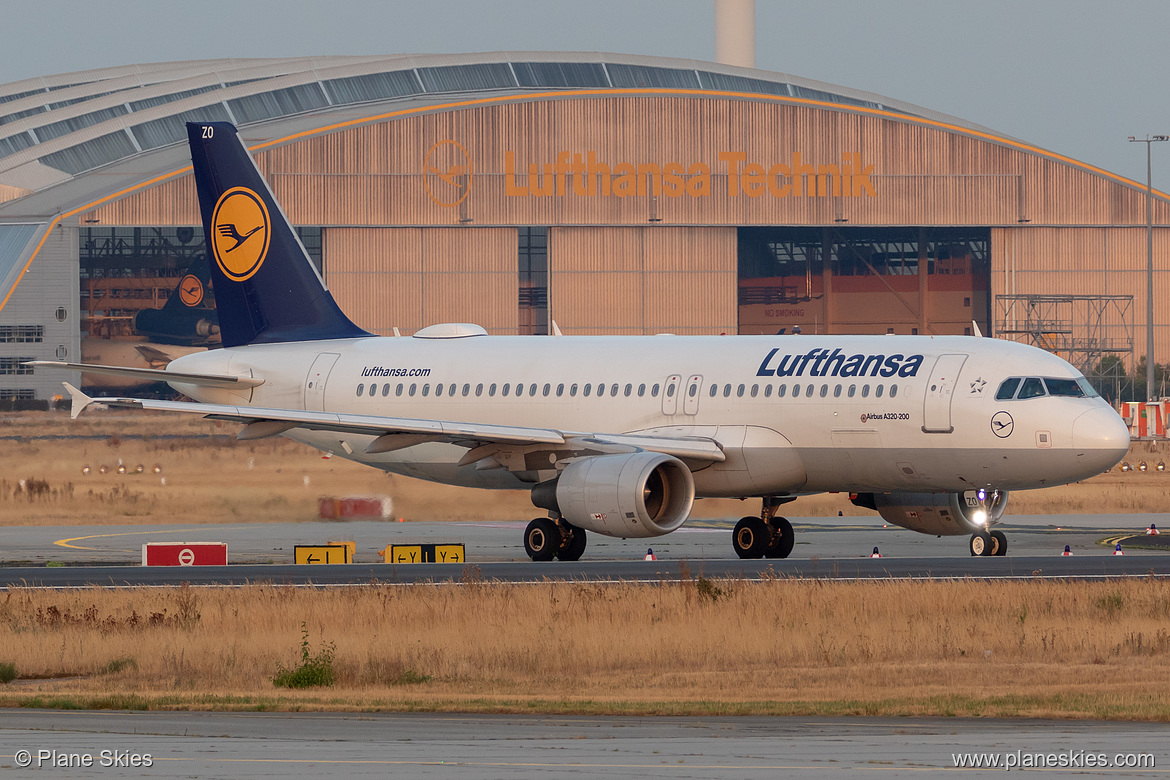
[155, 374]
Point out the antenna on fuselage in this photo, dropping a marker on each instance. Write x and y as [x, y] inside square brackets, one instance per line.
[975, 329]
[555, 328]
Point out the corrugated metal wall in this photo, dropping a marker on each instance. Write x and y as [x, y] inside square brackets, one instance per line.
[410, 278]
[1054, 219]
[643, 280]
[920, 175]
[1087, 261]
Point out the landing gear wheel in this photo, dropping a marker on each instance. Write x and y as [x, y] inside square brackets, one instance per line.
[542, 539]
[981, 543]
[998, 543]
[750, 537]
[783, 538]
[576, 546]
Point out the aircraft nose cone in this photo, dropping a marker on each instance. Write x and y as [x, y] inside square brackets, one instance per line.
[1102, 435]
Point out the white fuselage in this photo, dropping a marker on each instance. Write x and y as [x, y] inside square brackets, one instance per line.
[873, 414]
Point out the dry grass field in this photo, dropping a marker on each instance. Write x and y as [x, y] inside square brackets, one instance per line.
[211, 478]
[1031, 649]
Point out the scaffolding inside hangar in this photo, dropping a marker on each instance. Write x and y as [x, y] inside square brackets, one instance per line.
[1093, 332]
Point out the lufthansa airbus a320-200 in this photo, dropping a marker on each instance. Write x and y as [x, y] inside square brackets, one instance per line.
[619, 435]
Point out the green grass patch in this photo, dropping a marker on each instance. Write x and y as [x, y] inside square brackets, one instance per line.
[316, 669]
[7, 673]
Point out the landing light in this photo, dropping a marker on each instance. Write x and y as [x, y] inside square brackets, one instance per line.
[980, 517]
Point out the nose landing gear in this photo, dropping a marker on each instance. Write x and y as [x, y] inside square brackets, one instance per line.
[986, 543]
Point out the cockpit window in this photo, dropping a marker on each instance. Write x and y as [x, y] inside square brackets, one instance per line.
[1008, 389]
[1065, 387]
[1033, 388]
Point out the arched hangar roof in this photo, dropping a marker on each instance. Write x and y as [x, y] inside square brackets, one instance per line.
[57, 128]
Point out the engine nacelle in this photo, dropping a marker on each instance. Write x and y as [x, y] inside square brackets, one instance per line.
[939, 514]
[635, 495]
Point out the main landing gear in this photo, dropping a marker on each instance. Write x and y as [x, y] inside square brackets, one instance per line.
[766, 536]
[988, 543]
[545, 539]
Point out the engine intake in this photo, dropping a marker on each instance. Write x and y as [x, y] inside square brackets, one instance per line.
[628, 496]
[940, 514]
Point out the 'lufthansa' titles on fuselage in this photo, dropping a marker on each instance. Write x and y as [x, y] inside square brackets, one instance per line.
[821, 362]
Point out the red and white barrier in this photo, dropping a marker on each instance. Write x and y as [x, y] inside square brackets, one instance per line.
[331, 508]
[184, 554]
[1146, 420]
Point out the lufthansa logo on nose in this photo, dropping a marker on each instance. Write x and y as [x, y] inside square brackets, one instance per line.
[1002, 424]
[448, 173]
[240, 233]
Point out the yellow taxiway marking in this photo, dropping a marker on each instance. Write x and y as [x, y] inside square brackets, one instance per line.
[66, 542]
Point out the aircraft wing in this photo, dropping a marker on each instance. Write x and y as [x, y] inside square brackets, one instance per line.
[398, 432]
[156, 374]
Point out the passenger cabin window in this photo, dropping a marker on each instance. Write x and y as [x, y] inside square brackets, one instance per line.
[361, 388]
[893, 390]
[781, 390]
[654, 391]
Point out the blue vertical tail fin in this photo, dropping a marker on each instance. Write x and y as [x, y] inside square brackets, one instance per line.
[266, 288]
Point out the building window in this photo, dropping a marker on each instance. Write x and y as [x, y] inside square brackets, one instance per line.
[15, 365]
[22, 334]
[533, 289]
[17, 395]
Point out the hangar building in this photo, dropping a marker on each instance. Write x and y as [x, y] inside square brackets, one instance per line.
[608, 193]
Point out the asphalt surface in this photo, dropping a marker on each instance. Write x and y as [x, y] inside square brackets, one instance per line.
[837, 548]
[304, 745]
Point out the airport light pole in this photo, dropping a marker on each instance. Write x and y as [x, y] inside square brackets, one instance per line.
[1148, 140]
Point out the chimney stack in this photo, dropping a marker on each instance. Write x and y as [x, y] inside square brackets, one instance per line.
[735, 32]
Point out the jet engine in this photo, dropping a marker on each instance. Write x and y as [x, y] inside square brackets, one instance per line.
[634, 495]
[939, 514]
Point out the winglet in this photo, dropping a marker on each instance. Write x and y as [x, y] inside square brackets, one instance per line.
[80, 400]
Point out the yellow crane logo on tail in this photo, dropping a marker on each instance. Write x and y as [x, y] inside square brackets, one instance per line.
[240, 233]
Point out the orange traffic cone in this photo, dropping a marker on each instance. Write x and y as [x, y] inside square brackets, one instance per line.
[1117, 549]
[875, 553]
[1152, 530]
[650, 556]
[1067, 551]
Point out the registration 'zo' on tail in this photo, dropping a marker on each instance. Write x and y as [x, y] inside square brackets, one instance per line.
[620, 435]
